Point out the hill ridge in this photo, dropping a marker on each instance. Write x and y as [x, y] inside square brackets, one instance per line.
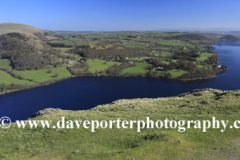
[26, 30]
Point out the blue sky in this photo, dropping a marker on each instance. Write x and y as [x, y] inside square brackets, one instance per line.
[122, 15]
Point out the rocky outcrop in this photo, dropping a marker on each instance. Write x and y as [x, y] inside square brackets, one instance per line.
[48, 111]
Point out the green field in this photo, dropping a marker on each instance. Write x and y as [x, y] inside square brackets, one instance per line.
[138, 69]
[204, 56]
[200, 66]
[8, 79]
[205, 67]
[41, 75]
[5, 63]
[66, 42]
[136, 45]
[95, 64]
[82, 42]
[176, 73]
[62, 49]
[173, 43]
[163, 53]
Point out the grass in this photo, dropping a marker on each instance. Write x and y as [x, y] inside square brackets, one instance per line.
[95, 64]
[66, 42]
[41, 75]
[20, 28]
[200, 66]
[204, 67]
[176, 73]
[122, 144]
[62, 49]
[85, 42]
[165, 53]
[138, 69]
[5, 63]
[173, 43]
[8, 79]
[204, 56]
[136, 45]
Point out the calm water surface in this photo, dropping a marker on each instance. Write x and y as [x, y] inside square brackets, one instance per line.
[87, 92]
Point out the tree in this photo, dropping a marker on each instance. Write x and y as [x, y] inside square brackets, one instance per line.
[56, 75]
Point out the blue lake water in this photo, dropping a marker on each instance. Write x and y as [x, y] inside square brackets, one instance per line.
[87, 92]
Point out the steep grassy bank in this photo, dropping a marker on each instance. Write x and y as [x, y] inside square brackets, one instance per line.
[128, 143]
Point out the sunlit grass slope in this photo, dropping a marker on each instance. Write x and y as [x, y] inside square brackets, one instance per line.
[41, 75]
[122, 144]
[5, 78]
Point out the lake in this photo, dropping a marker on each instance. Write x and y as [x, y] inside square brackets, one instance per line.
[83, 93]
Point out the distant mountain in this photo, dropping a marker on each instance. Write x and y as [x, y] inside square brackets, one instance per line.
[198, 29]
[26, 30]
[230, 38]
[235, 32]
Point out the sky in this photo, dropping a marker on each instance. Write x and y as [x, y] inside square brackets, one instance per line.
[122, 15]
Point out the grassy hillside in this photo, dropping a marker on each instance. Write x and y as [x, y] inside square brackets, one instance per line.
[230, 38]
[122, 144]
[20, 28]
[7, 79]
[30, 57]
[5, 63]
[42, 75]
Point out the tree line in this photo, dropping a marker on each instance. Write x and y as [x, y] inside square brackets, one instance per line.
[115, 51]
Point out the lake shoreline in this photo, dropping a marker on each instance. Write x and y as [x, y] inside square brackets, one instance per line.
[124, 76]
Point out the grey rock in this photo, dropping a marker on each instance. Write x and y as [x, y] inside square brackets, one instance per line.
[179, 141]
[52, 109]
[44, 112]
[195, 92]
